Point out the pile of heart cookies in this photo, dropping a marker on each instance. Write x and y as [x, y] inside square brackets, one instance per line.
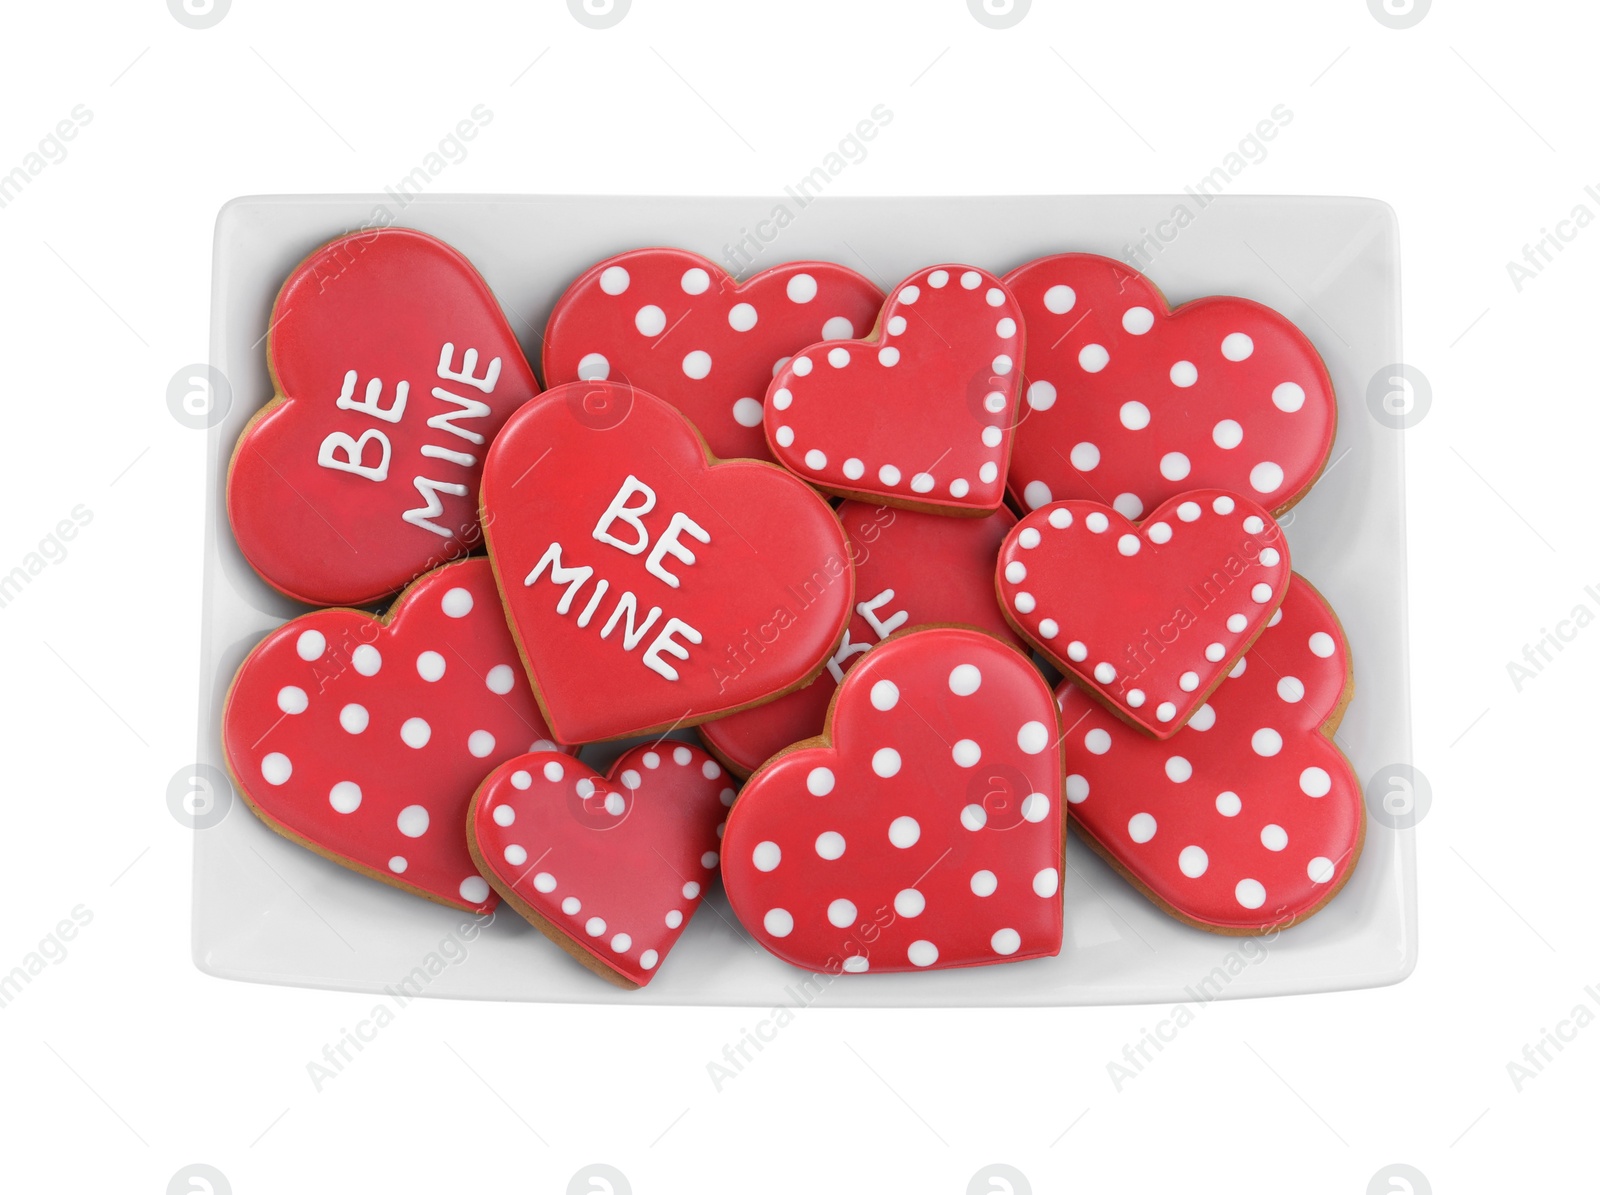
[929, 574]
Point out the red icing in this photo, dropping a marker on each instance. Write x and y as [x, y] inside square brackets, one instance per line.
[1100, 336]
[325, 706]
[1249, 826]
[381, 306]
[629, 853]
[760, 581]
[1148, 617]
[820, 860]
[647, 311]
[912, 568]
[923, 414]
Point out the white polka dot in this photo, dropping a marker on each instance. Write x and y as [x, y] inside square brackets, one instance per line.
[1237, 623]
[1227, 434]
[781, 398]
[430, 665]
[1084, 456]
[1204, 719]
[480, 743]
[841, 913]
[1077, 652]
[983, 883]
[995, 297]
[517, 856]
[1193, 861]
[971, 279]
[1261, 592]
[345, 797]
[1289, 397]
[674, 918]
[921, 483]
[412, 821]
[1077, 789]
[1047, 882]
[904, 832]
[1048, 628]
[816, 459]
[501, 679]
[1096, 522]
[1222, 504]
[838, 328]
[1184, 374]
[1320, 870]
[520, 779]
[1105, 672]
[1254, 525]
[1023, 601]
[691, 890]
[504, 815]
[784, 436]
[922, 953]
[819, 781]
[778, 922]
[1270, 557]
[938, 278]
[908, 902]
[1136, 697]
[896, 325]
[695, 281]
[886, 762]
[909, 294]
[987, 472]
[366, 660]
[593, 367]
[474, 890]
[1033, 738]
[888, 356]
[1266, 742]
[1238, 669]
[856, 964]
[1274, 837]
[415, 732]
[885, 694]
[1128, 545]
[830, 845]
[974, 817]
[1141, 827]
[621, 943]
[1321, 644]
[802, 366]
[594, 927]
[1029, 537]
[1178, 769]
[292, 699]
[801, 288]
[1006, 941]
[457, 602]
[994, 402]
[889, 475]
[1188, 512]
[1189, 682]
[991, 437]
[1097, 741]
[682, 756]
[631, 779]
[1166, 711]
[1236, 346]
[398, 864]
[614, 280]
[1290, 689]
[650, 320]
[1174, 466]
[742, 317]
[1092, 358]
[1135, 415]
[1315, 782]
[1002, 364]
[310, 645]
[1250, 894]
[965, 679]
[1016, 573]
[747, 412]
[1158, 532]
[1138, 320]
[1266, 477]
[1035, 807]
[697, 364]
[1058, 300]
[854, 469]
[1228, 804]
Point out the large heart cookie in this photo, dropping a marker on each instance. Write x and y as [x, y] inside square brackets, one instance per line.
[610, 868]
[912, 569]
[1249, 819]
[394, 368]
[1130, 402]
[677, 325]
[921, 415]
[649, 587]
[1148, 617]
[363, 738]
[924, 829]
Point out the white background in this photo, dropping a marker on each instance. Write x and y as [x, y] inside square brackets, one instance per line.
[122, 1064]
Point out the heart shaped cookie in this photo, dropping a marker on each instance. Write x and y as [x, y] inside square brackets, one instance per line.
[648, 586]
[1249, 819]
[912, 569]
[923, 829]
[610, 868]
[1147, 617]
[922, 415]
[363, 738]
[677, 325]
[1131, 402]
[393, 369]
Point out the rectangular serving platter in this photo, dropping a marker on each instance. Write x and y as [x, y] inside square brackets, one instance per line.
[268, 911]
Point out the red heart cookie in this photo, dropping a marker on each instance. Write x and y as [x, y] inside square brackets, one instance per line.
[912, 569]
[923, 829]
[648, 586]
[678, 325]
[1130, 402]
[1249, 818]
[363, 738]
[610, 868]
[923, 414]
[393, 369]
[1148, 617]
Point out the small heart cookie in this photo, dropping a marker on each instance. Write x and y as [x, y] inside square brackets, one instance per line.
[922, 830]
[1249, 819]
[648, 586]
[1132, 402]
[912, 569]
[922, 414]
[677, 325]
[393, 369]
[1147, 617]
[363, 738]
[610, 868]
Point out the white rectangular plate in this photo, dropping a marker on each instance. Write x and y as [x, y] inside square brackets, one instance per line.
[269, 911]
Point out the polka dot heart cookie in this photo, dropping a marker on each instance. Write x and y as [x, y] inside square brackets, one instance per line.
[1150, 617]
[648, 586]
[363, 738]
[609, 867]
[679, 326]
[923, 829]
[1130, 401]
[922, 414]
[1249, 819]
[393, 369]
[912, 569]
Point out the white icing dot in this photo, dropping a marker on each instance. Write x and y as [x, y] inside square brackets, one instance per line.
[1315, 782]
[856, 963]
[1274, 837]
[649, 959]
[1048, 628]
[1188, 512]
[501, 679]
[1189, 682]
[1096, 521]
[430, 665]
[1136, 697]
[888, 356]
[970, 280]
[889, 475]
[885, 693]
[908, 902]
[504, 815]
[1290, 689]
[778, 922]
[1270, 557]
[802, 366]
[412, 821]
[1128, 544]
[819, 782]
[1321, 644]
[995, 297]
[1228, 804]
[1193, 861]
[1320, 870]
[991, 437]
[921, 483]
[841, 913]
[838, 328]
[1092, 358]
[1084, 457]
[1128, 506]
[1250, 894]
[593, 367]
[1236, 346]
[650, 320]
[415, 732]
[1016, 572]
[1077, 788]
[1041, 396]
[1174, 466]
[621, 943]
[366, 660]
[695, 281]
[457, 602]
[1184, 374]
[747, 412]
[854, 469]
[682, 756]
[1023, 601]
[1266, 742]
[1227, 434]
[708, 860]
[987, 472]
[742, 317]
[1006, 328]
[1261, 592]
[614, 280]
[1033, 738]
[1222, 504]
[922, 953]
[984, 883]
[711, 769]
[1204, 718]
[292, 699]
[938, 278]
[1288, 396]
[1105, 672]
[474, 890]
[1035, 807]
[886, 761]
[631, 779]
[310, 645]
[398, 864]
[1178, 769]
[517, 856]
[1253, 524]
[697, 364]
[1238, 669]
[1138, 320]
[974, 817]
[1029, 538]
[896, 325]
[904, 832]
[965, 679]
[1166, 711]
[1158, 532]
[674, 918]
[519, 779]
[909, 294]
[1135, 415]
[1046, 882]
[594, 927]
[1077, 652]
[345, 797]
[784, 436]
[1097, 741]
[1058, 300]
[994, 402]
[1002, 364]
[1006, 941]
[830, 845]
[480, 743]
[1237, 623]
[816, 459]
[691, 890]
[1266, 477]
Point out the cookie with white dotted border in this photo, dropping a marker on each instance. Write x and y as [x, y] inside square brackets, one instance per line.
[922, 413]
[1131, 401]
[363, 737]
[678, 325]
[609, 867]
[924, 829]
[1148, 617]
[1250, 818]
